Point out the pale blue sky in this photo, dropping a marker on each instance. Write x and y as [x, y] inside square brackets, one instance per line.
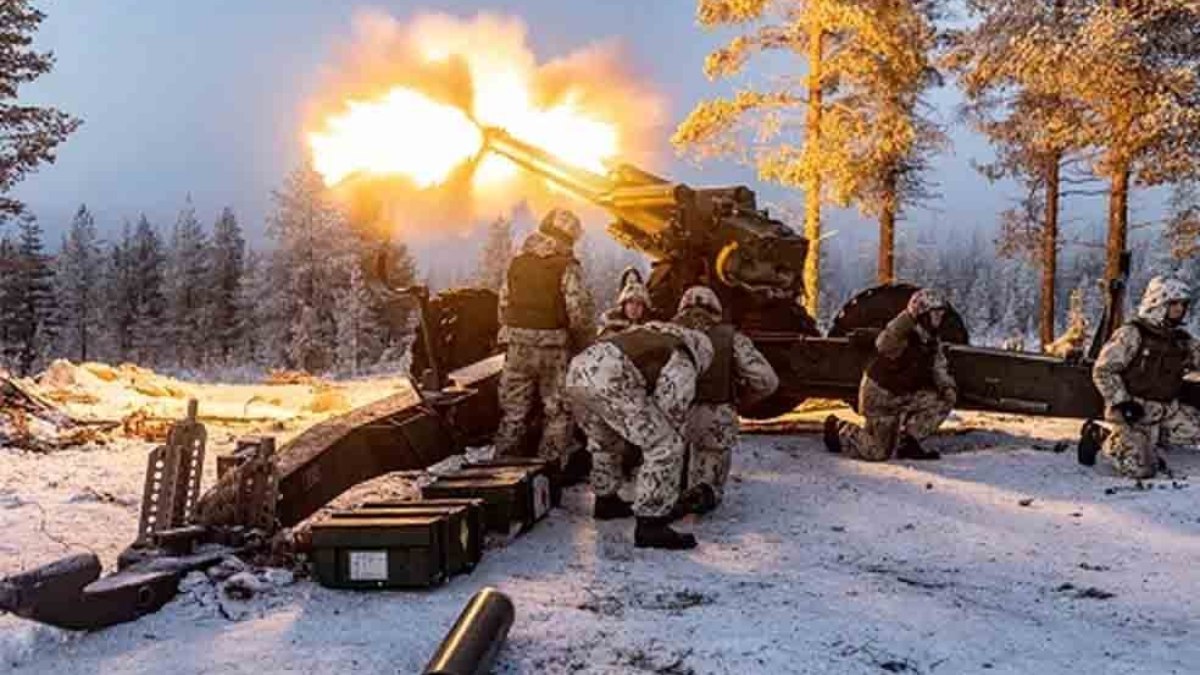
[205, 97]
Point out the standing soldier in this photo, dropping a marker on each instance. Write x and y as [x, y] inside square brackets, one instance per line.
[636, 386]
[1140, 374]
[738, 373]
[546, 315]
[632, 308]
[906, 391]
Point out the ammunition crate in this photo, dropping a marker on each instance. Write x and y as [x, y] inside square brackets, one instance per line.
[465, 543]
[388, 552]
[476, 510]
[512, 497]
[531, 463]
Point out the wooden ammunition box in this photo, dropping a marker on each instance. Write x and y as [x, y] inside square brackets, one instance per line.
[530, 463]
[389, 552]
[465, 543]
[508, 495]
[476, 509]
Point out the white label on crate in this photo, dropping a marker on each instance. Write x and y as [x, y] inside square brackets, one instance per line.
[368, 565]
[541, 496]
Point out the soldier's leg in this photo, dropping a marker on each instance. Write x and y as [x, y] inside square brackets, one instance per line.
[925, 413]
[517, 391]
[711, 435]
[1182, 427]
[1130, 449]
[875, 442]
[605, 445]
[558, 426]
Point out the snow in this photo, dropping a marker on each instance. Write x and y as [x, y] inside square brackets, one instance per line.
[997, 559]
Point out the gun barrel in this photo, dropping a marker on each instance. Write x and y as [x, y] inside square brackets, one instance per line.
[586, 184]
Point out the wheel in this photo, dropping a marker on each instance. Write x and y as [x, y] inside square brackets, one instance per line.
[876, 306]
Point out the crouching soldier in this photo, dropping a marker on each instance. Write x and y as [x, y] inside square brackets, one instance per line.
[546, 315]
[906, 391]
[1140, 374]
[738, 373]
[632, 308]
[637, 386]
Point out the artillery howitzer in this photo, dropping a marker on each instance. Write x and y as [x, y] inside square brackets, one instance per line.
[719, 237]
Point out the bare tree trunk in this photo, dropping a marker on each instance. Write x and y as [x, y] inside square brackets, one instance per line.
[812, 191]
[887, 231]
[1118, 234]
[1050, 250]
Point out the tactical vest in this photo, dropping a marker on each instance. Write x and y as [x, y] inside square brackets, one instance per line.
[715, 386]
[909, 372]
[649, 350]
[535, 298]
[1157, 371]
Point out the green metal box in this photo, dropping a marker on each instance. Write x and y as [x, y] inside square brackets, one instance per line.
[514, 499]
[388, 552]
[537, 466]
[465, 527]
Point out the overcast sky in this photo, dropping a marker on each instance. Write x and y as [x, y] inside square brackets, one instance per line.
[205, 98]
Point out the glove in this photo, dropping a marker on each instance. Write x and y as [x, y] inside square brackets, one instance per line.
[863, 339]
[1131, 410]
[949, 395]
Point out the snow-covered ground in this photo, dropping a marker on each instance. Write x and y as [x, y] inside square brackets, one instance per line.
[1005, 557]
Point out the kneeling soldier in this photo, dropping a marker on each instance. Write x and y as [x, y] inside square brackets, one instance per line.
[1140, 375]
[637, 386]
[738, 373]
[906, 391]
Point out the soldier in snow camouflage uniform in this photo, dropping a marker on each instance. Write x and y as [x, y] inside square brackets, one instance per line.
[906, 391]
[1140, 373]
[546, 316]
[637, 386]
[632, 308]
[738, 373]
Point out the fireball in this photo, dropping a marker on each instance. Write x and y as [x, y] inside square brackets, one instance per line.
[410, 132]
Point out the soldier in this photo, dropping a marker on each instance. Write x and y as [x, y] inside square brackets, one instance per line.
[632, 308]
[1140, 374]
[738, 373]
[546, 316]
[636, 386]
[906, 391]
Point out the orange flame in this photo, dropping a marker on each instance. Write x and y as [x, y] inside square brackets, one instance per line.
[408, 132]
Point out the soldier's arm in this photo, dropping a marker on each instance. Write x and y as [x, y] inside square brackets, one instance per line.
[755, 377]
[942, 378]
[581, 311]
[893, 338]
[676, 387]
[1114, 358]
[502, 304]
[1195, 346]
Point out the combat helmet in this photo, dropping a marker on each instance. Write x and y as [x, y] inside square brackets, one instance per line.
[1160, 292]
[562, 225]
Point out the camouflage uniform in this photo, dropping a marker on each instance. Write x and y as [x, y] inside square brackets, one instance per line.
[892, 413]
[536, 358]
[612, 402]
[1132, 448]
[614, 320]
[739, 372]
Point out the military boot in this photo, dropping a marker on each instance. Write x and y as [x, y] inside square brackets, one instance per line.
[576, 469]
[657, 533]
[833, 442]
[611, 507]
[910, 448]
[1091, 439]
[698, 499]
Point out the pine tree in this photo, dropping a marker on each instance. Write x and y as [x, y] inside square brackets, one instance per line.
[29, 135]
[225, 284]
[311, 236]
[119, 301]
[188, 290]
[79, 289]
[28, 299]
[10, 265]
[149, 332]
[495, 255]
[1024, 112]
[360, 336]
[850, 133]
